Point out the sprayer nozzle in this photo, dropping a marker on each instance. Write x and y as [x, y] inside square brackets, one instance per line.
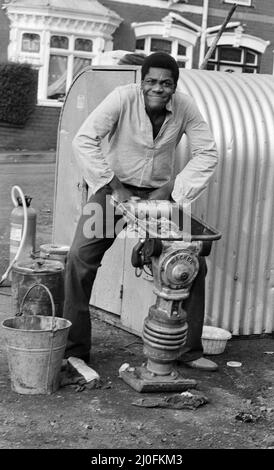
[28, 200]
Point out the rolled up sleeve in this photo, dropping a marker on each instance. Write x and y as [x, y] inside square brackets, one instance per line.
[192, 181]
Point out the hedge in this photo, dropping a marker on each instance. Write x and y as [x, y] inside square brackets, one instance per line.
[18, 92]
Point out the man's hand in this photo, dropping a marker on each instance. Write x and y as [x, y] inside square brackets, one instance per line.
[162, 193]
[121, 195]
[119, 192]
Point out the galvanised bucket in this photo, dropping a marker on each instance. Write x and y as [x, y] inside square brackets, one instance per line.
[48, 272]
[35, 349]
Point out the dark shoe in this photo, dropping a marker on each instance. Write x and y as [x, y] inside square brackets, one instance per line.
[84, 357]
[202, 364]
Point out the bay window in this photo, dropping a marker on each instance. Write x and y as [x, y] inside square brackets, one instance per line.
[235, 59]
[30, 42]
[154, 44]
[68, 56]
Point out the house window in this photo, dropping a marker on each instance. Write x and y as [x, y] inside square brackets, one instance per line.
[171, 46]
[158, 44]
[58, 65]
[30, 42]
[79, 63]
[140, 44]
[83, 45]
[59, 42]
[68, 56]
[234, 59]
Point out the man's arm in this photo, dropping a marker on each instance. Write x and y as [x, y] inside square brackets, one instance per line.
[191, 182]
[87, 145]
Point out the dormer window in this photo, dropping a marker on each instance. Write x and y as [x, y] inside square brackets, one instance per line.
[166, 36]
[235, 59]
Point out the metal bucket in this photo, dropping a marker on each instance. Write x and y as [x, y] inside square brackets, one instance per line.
[35, 349]
[54, 252]
[38, 271]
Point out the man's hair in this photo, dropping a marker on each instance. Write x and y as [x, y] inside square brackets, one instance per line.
[162, 60]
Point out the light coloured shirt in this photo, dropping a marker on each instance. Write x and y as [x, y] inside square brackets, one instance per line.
[130, 152]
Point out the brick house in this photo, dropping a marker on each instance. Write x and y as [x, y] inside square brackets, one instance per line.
[60, 37]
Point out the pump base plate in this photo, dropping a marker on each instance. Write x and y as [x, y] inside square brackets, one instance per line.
[142, 380]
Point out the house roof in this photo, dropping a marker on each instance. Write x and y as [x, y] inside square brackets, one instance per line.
[79, 6]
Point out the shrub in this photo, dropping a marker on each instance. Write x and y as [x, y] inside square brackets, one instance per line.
[18, 92]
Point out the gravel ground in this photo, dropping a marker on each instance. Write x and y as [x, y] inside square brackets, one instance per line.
[240, 409]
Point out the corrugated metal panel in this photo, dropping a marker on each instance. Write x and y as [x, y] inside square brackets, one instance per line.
[239, 201]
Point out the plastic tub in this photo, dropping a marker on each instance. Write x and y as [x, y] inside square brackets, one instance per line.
[214, 339]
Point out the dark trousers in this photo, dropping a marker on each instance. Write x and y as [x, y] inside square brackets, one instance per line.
[84, 259]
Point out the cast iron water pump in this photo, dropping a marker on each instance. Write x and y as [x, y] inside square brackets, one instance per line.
[172, 256]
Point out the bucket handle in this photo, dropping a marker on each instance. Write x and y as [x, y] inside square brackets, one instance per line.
[51, 300]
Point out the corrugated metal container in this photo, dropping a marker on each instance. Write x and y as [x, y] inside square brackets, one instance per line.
[239, 201]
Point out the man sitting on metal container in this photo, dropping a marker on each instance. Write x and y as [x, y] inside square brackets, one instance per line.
[144, 123]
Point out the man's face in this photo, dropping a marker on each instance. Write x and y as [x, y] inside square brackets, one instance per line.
[158, 86]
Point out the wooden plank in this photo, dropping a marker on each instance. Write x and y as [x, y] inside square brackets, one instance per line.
[106, 292]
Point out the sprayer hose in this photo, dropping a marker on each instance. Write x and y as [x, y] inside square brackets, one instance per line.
[25, 228]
